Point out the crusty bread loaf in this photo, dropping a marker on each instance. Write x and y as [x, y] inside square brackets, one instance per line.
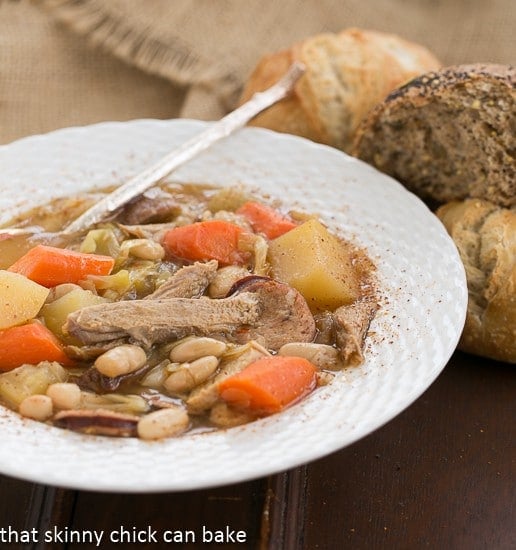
[346, 75]
[485, 235]
[448, 134]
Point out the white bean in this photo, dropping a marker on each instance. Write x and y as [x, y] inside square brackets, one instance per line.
[224, 279]
[321, 355]
[145, 249]
[64, 395]
[163, 423]
[121, 360]
[189, 375]
[179, 381]
[38, 407]
[191, 349]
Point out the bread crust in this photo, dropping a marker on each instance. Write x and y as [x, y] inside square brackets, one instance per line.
[448, 134]
[346, 75]
[485, 235]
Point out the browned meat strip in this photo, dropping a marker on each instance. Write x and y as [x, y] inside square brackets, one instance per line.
[152, 321]
[189, 282]
[272, 313]
[351, 324]
[149, 208]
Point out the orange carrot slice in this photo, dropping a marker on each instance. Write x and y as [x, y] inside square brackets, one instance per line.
[50, 266]
[270, 384]
[31, 344]
[209, 240]
[266, 220]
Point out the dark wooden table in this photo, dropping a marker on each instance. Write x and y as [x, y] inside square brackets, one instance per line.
[441, 475]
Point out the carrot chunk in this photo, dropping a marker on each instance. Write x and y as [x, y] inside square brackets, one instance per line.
[266, 220]
[209, 240]
[270, 384]
[31, 344]
[50, 266]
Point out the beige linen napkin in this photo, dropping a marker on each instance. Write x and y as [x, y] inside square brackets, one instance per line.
[51, 78]
[58, 61]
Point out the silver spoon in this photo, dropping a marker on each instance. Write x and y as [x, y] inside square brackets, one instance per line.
[150, 176]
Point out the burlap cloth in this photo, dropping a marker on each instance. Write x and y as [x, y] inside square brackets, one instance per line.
[69, 62]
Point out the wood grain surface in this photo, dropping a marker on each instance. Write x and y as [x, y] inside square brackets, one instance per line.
[440, 475]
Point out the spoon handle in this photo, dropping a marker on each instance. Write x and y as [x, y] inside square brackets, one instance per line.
[188, 150]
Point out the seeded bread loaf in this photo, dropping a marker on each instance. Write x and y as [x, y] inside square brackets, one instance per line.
[485, 235]
[448, 134]
[346, 75]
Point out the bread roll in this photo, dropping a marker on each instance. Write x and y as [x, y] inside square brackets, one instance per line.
[485, 235]
[448, 135]
[346, 75]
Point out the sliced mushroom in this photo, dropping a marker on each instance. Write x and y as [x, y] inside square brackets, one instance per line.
[92, 380]
[265, 310]
[98, 422]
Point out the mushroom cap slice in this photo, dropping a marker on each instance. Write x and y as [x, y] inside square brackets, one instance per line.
[98, 422]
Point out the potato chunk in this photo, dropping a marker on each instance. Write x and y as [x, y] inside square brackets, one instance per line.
[20, 299]
[318, 265]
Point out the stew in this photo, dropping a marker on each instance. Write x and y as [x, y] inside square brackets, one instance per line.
[195, 308]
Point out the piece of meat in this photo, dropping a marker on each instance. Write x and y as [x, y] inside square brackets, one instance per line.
[284, 314]
[268, 311]
[224, 416]
[325, 331]
[351, 324]
[156, 321]
[188, 282]
[153, 206]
